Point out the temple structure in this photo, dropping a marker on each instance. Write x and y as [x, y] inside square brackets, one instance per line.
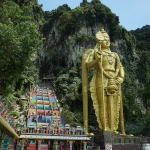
[46, 128]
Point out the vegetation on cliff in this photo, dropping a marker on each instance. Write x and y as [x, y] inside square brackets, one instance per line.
[143, 73]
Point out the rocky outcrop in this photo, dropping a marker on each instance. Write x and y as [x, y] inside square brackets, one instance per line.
[67, 51]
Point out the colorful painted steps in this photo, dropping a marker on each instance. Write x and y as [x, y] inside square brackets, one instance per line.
[43, 106]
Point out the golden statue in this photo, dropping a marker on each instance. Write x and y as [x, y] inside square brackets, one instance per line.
[105, 86]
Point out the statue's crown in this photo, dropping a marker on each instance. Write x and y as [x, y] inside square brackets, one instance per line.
[100, 35]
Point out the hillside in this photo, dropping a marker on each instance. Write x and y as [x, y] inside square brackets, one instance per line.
[143, 71]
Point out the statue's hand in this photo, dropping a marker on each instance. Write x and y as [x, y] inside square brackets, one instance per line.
[98, 56]
[119, 80]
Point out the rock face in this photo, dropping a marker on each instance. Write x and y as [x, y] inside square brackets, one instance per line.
[68, 51]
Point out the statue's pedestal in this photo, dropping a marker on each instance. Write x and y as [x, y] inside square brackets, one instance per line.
[111, 141]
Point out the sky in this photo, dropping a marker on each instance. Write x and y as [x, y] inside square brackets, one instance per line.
[132, 14]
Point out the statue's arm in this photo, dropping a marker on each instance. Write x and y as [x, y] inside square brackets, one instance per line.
[119, 71]
[120, 77]
[91, 61]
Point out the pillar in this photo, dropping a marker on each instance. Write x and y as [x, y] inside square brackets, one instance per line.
[22, 144]
[84, 145]
[18, 144]
[28, 130]
[39, 143]
[70, 143]
[65, 142]
[37, 130]
[80, 146]
[49, 144]
[55, 145]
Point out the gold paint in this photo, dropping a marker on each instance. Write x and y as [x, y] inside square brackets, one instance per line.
[105, 86]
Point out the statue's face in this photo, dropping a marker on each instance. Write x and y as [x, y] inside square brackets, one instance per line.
[105, 43]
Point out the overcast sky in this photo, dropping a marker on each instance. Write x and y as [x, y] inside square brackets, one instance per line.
[132, 14]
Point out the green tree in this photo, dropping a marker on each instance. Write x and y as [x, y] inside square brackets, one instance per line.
[19, 40]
